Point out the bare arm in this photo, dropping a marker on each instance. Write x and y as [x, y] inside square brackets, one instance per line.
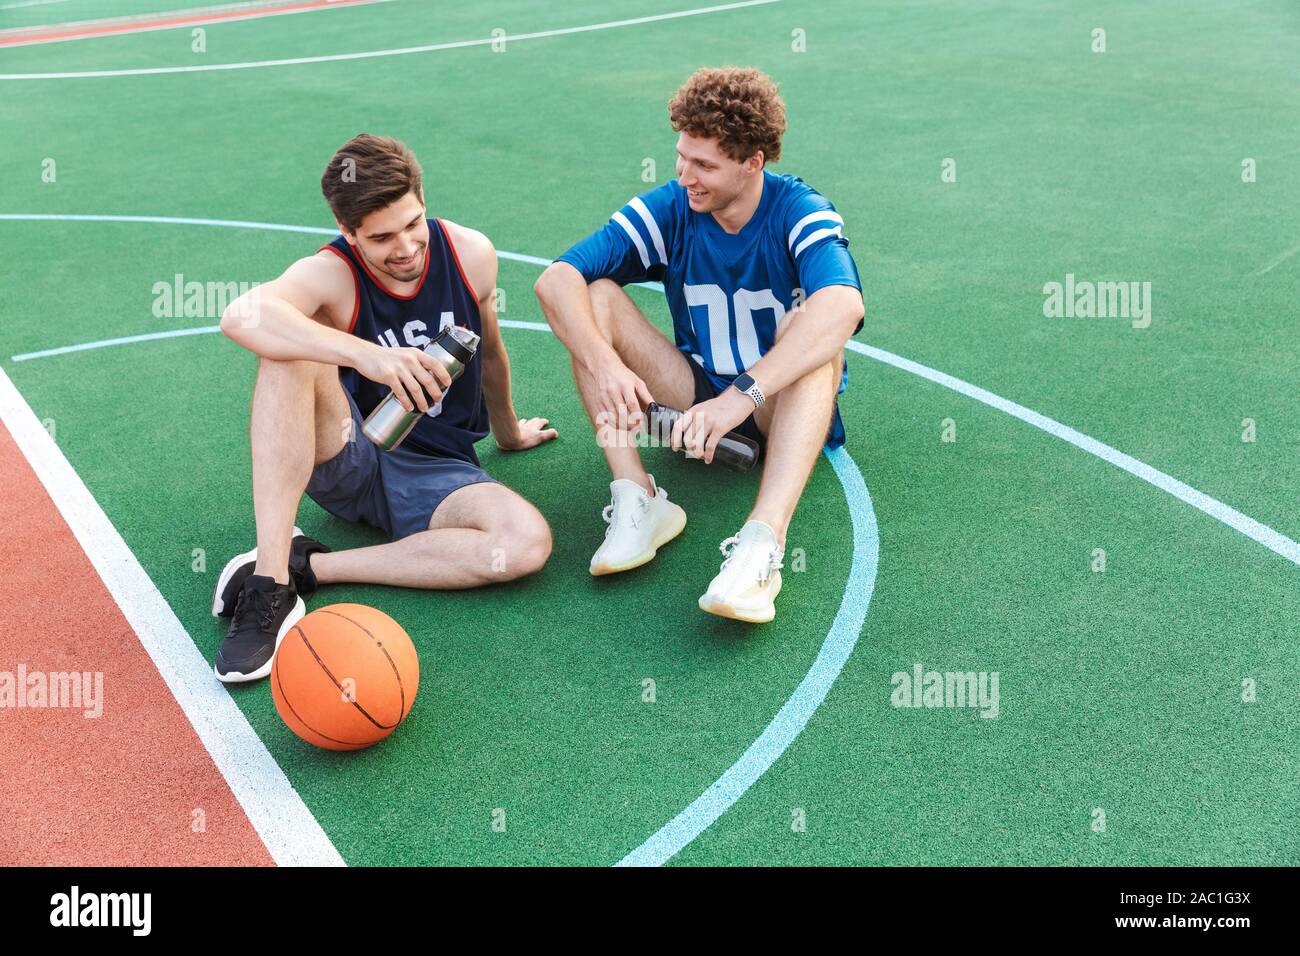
[816, 335]
[562, 292]
[566, 302]
[296, 315]
[302, 315]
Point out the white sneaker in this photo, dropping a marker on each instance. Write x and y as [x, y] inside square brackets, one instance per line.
[750, 579]
[639, 525]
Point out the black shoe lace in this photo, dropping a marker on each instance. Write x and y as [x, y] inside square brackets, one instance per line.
[262, 603]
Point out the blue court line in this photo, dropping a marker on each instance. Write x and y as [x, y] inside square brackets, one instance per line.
[794, 715]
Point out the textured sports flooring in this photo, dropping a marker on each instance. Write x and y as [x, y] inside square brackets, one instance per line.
[1157, 695]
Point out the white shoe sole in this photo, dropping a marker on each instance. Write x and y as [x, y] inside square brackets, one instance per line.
[233, 565]
[235, 677]
[750, 615]
[661, 539]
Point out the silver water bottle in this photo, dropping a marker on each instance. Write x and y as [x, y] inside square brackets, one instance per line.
[389, 424]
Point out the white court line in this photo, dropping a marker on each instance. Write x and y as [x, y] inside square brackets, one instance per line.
[1275, 541]
[124, 340]
[429, 48]
[29, 3]
[803, 702]
[291, 834]
[1277, 262]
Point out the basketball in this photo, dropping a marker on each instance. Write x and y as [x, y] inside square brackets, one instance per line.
[345, 676]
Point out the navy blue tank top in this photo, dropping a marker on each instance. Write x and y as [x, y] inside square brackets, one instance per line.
[444, 297]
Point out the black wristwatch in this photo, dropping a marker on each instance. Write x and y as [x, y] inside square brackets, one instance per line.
[745, 383]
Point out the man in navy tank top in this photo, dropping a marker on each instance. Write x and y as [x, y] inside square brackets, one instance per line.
[335, 334]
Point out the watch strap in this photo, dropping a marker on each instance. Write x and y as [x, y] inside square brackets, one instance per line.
[745, 383]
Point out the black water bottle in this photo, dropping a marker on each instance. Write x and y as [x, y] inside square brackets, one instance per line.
[735, 451]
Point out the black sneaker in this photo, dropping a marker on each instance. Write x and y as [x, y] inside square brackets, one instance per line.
[238, 568]
[264, 613]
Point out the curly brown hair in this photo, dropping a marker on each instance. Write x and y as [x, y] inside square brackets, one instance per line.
[369, 173]
[736, 105]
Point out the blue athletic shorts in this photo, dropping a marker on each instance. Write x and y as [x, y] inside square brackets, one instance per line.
[396, 491]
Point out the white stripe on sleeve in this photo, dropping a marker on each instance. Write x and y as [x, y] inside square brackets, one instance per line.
[813, 237]
[824, 214]
[621, 219]
[652, 227]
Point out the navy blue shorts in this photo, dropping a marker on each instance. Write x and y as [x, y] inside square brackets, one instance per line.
[705, 390]
[396, 491]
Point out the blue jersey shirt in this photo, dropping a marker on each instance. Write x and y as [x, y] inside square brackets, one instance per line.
[726, 292]
[443, 297]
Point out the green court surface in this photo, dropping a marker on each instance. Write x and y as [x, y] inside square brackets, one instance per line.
[1120, 690]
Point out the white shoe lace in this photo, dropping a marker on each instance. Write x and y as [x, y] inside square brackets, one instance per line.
[774, 560]
[607, 514]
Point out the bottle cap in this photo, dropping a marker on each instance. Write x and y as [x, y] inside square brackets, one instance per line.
[458, 342]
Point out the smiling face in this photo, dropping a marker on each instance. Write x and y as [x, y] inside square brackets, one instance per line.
[712, 179]
[393, 240]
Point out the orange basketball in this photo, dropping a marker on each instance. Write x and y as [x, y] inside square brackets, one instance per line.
[345, 676]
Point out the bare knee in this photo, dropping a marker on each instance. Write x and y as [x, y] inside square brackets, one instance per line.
[290, 372]
[522, 548]
[535, 545]
[519, 541]
[284, 391]
[820, 386]
[292, 367]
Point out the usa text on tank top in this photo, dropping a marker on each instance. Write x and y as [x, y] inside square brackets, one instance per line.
[443, 297]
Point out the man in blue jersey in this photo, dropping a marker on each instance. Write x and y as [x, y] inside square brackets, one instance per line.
[763, 294]
[335, 334]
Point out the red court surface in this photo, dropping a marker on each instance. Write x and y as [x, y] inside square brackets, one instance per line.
[119, 789]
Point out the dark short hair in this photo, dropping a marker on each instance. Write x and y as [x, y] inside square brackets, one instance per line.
[367, 174]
